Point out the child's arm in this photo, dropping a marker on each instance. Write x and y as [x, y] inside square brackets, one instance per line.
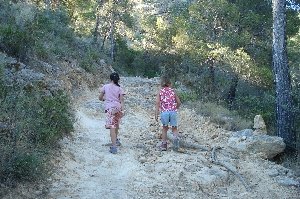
[178, 102]
[157, 107]
[122, 102]
[101, 97]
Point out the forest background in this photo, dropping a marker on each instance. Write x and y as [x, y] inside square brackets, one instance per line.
[218, 53]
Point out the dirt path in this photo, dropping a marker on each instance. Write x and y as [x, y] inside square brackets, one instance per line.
[86, 170]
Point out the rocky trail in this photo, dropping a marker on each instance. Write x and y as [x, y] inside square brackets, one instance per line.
[86, 170]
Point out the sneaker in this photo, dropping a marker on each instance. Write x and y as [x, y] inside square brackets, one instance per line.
[164, 147]
[176, 144]
[113, 149]
[118, 142]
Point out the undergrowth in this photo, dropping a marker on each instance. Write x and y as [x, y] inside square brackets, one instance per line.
[32, 122]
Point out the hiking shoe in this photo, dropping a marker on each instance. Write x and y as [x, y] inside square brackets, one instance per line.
[118, 142]
[164, 147]
[176, 144]
[113, 149]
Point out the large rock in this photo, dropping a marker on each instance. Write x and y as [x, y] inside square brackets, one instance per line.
[210, 176]
[261, 144]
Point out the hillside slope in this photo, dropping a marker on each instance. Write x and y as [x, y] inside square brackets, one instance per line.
[85, 169]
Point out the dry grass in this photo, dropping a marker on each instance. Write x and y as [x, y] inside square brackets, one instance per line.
[229, 120]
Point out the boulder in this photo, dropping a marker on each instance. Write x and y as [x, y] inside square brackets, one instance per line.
[261, 144]
[288, 182]
[210, 176]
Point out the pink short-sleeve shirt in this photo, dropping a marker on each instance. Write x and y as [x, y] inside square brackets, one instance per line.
[112, 95]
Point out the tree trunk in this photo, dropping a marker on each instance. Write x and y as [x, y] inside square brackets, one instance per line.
[96, 27]
[48, 4]
[112, 39]
[232, 91]
[211, 63]
[103, 42]
[283, 89]
[100, 4]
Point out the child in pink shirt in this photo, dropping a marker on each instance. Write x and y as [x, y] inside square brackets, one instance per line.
[167, 103]
[114, 107]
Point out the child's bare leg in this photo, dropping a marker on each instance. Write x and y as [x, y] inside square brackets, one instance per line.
[164, 133]
[113, 136]
[175, 131]
[176, 139]
[117, 130]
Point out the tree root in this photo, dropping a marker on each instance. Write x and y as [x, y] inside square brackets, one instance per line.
[189, 145]
[228, 154]
[143, 147]
[213, 151]
[227, 167]
[194, 146]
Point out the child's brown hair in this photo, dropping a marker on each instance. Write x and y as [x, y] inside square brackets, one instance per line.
[165, 81]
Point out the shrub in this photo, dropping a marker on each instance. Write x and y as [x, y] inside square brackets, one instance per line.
[264, 105]
[229, 120]
[16, 41]
[17, 33]
[187, 96]
[26, 166]
[34, 122]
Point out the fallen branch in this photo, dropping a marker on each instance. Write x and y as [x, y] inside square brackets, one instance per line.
[142, 147]
[229, 154]
[227, 167]
[189, 145]
[194, 146]
[206, 148]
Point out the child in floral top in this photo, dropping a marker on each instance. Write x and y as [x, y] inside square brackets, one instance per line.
[167, 103]
[114, 107]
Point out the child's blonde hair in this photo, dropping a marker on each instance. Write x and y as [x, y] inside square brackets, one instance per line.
[165, 81]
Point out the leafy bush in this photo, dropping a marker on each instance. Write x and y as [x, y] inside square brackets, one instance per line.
[33, 122]
[54, 121]
[190, 96]
[16, 41]
[263, 105]
[89, 60]
[17, 33]
[25, 166]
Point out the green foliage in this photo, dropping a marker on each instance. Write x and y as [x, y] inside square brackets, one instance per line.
[235, 35]
[53, 23]
[124, 55]
[251, 105]
[42, 50]
[229, 120]
[89, 60]
[17, 34]
[134, 62]
[16, 41]
[86, 63]
[54, 121]
[34, 122]
[189, 96]
[2, 80]
[32, 32]
[293, 22]
[27, 166]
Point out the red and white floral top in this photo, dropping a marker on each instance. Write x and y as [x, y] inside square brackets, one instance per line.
[167, 99]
